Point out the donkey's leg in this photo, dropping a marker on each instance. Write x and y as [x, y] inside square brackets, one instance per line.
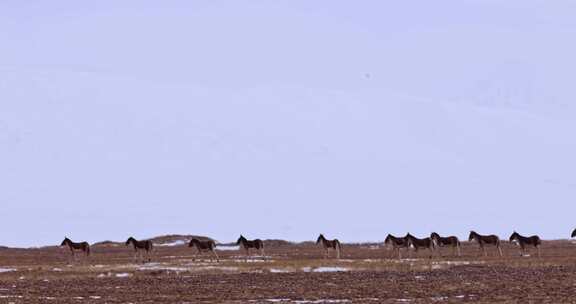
[525, 249]
[216, 255]
[87, 253]
[500, 250]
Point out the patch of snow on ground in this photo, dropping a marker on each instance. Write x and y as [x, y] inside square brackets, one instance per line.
[222, 268]
[439, 298]
[7, 270]
[275, 270]
[330, 269]
[229, 248]
[454, 263]
[175, 243]
[158, 267]
[123, 275]
[252, 259]
[323, 301]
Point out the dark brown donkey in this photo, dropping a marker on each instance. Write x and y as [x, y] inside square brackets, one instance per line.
[247, 244]
[484, 240]
[204, 246]
[329, 244]
[396, 243]
[145, 246]
[83, 246]
[425, 243]
[524, 241]
[450, 241]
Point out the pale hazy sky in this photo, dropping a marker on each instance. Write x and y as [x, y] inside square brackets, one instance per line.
[284, 119]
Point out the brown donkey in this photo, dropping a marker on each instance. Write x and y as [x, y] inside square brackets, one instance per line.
[484, 240]
[145, 246]
[523, 241]
[204, 246]
[329, 244]
[83, 247]
[417, 243]
[450, 241]
[248, 244]
[396, 243]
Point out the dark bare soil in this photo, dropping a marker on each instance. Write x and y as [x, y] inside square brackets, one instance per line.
[288, 274]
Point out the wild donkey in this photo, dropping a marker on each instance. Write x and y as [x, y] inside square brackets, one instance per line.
[247, 244]
[396, 243]
[523, 241]
[330, 244]
[204, 246]
[450, 241]
[83, 247]
[417, 243]
[145, 246]
[484, 240]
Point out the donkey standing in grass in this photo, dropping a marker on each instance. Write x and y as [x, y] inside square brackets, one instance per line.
[417, 243]
[247, 244]
[484, 240]
[396, 243]
[450, 241]
[145, 246]
[204, 246]
[83, 247]
[329, 244]
[523, 241]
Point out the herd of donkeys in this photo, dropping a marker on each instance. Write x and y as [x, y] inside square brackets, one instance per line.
[432, 243]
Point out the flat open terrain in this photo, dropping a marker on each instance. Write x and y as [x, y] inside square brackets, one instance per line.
[288, 274]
